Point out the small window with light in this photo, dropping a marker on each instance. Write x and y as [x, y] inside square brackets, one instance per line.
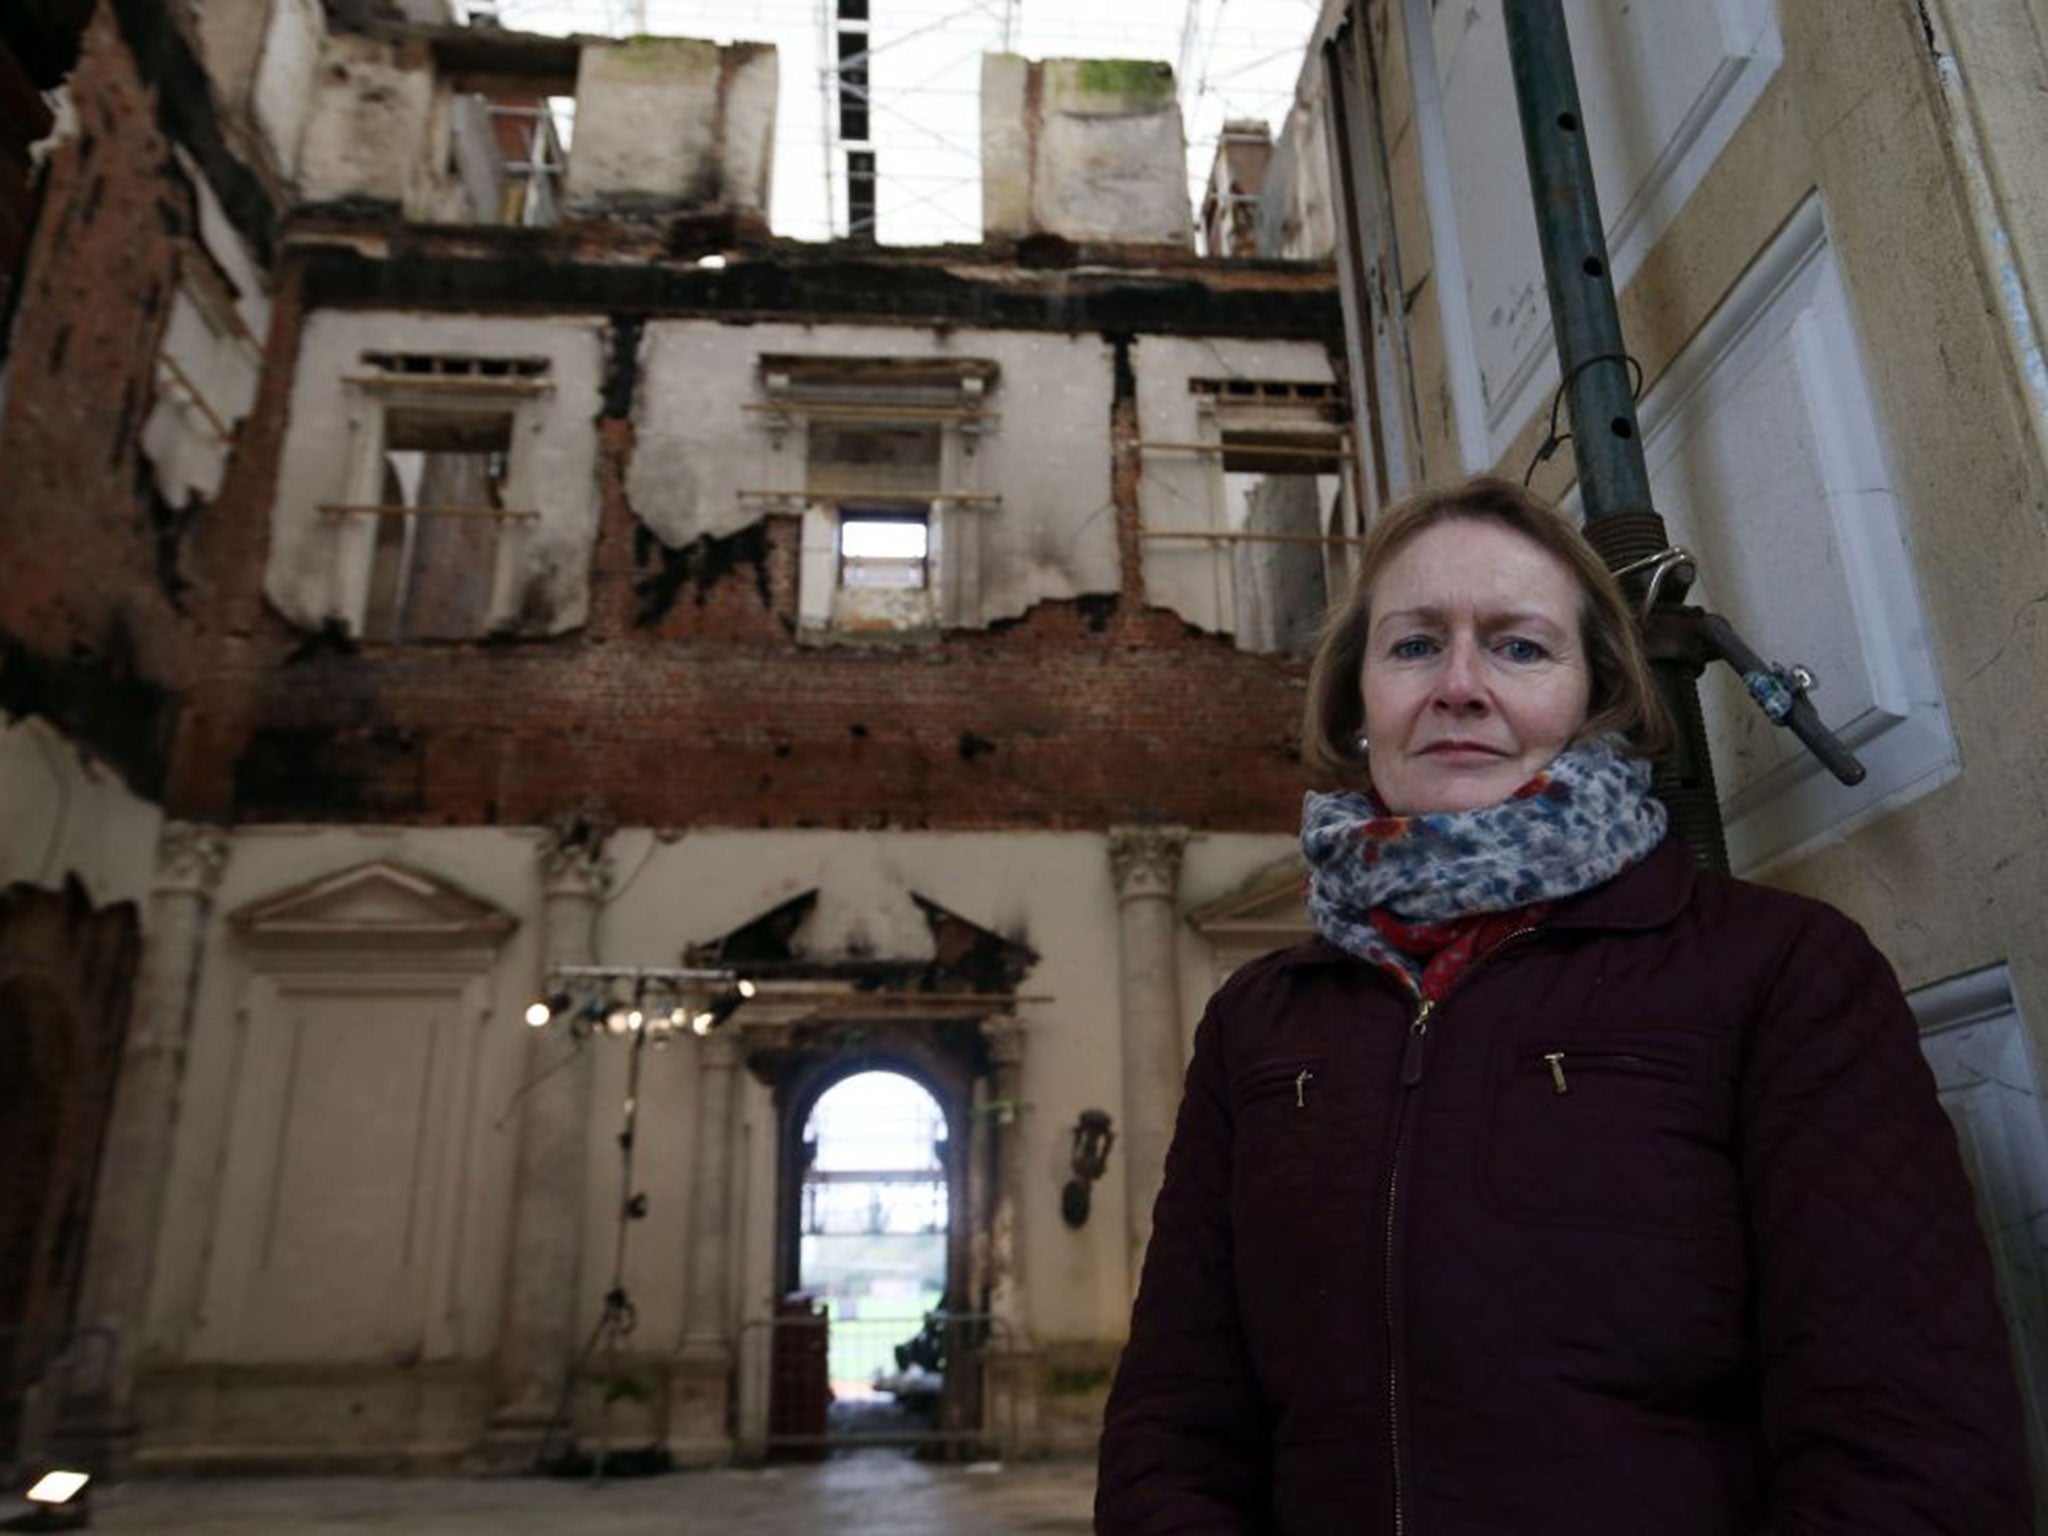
[884, 550]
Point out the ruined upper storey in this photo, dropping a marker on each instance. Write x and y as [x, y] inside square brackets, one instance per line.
[945, 430]
[375, 116]
[446, 124]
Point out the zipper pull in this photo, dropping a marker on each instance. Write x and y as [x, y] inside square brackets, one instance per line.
[1418, 1032]
[1301, 1081]
[1556, 1060]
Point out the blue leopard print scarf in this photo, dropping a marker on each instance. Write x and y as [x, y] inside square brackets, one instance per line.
[1582, 820]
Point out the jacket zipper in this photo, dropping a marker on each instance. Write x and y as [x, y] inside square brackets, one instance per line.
[1411, 1075]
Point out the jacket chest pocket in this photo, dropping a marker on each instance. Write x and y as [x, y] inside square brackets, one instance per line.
[1277, 1107]
[1627, 1131]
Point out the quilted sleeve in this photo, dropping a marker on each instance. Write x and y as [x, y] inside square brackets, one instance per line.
[1184, 1441]
[1888, 1400]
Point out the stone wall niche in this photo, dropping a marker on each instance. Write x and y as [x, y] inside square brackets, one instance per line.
[330, 1325]
[1087, 150]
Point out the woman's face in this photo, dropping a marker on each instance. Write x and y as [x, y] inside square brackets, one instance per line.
[1475, 674]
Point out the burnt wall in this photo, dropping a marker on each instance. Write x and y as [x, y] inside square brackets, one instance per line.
[1080, 715]
[104, 598]
[686, 698]
[66, 974]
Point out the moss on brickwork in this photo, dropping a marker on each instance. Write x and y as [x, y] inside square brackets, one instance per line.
[1135, 80]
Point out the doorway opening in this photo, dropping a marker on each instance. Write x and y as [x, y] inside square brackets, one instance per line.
[874, 1217]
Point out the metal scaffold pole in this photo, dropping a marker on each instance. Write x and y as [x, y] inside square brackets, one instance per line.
[1593, 362]
[1598, 388]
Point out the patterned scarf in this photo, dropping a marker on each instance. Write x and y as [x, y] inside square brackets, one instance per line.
[1581, 821]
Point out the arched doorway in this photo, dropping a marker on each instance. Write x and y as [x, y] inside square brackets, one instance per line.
[873, 1216]
[874, 1340]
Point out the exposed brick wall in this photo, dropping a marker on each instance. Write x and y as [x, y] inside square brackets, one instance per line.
[1079, 715]
[89, 622]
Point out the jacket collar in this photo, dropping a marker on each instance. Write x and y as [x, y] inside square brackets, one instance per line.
[1645, 895]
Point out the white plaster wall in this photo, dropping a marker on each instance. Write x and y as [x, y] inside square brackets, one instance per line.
[372, 126]
[63, 813]
[246, 276]
[1663, 85]
[646, 119]
[1005, 145]
[231, 34]
[748, 172]
[655, 124]
[1217, 863]
[497, 865]
[1094, 153]
[1182, 492]
[285, 68]
[1296, 214]
[1109, 167]
[206, 382]
[1051, 890]
[1767, 460]
[1053, 535]
[555, 470]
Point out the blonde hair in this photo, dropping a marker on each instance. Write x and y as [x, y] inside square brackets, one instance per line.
[1624, 698]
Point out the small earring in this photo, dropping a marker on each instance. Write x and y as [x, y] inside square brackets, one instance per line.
[1361, 744]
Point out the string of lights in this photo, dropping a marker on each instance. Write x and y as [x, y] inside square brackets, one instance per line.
[652, 1002]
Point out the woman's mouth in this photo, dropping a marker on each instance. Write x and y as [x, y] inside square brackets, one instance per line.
[1457, 749]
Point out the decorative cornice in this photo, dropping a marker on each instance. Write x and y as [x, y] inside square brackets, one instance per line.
[189, 857]
[573, 860]
[1146, 860]
[377, 907]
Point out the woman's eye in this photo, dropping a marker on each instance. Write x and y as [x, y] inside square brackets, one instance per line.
[1413, 648]
[1515, 648]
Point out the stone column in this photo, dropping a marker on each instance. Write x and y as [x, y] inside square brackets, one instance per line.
[1010, 1401]
[135, 1163]
[700, 1377]
[1146, 864]
[540, 1334]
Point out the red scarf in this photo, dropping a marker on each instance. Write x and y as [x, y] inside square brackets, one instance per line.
[1445, 949]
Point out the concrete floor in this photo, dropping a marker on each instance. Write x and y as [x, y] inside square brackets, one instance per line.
[877, 1491]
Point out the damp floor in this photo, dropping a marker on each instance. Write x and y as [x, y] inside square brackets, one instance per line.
[883, 1492]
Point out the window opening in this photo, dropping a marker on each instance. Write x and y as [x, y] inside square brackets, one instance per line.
[434, 561]
[1284, 491]
[878, 480]
[874, 1216]
[413, 366]
[530, 138]
[884, 549]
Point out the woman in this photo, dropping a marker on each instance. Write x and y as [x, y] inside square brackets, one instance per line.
[1557, 1186]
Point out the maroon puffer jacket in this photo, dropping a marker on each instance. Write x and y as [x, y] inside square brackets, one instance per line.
[1653, 1227]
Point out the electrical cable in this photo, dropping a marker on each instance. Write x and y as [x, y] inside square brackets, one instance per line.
[1552, 439]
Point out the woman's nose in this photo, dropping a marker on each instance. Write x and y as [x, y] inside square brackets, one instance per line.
[1461, 682]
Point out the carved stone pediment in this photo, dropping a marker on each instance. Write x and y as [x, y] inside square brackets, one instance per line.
[380, 905]
[1266, 909]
